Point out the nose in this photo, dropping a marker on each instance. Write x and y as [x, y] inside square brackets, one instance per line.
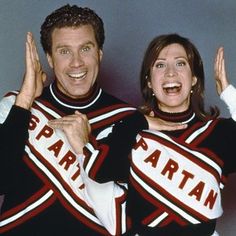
[170, 70]
[76, 60]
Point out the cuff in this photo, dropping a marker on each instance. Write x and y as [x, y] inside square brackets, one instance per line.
[229, 97]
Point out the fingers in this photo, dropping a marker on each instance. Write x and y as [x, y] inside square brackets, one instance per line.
[84, 117]
[220, 71]
[161, 125]
[26, 95]
[34, 77]
[76, 128]
[28, 61]
[61, 123]
[28, 53]
[170, 126]
[34, 49]
[32, 59]
[72, 121]
[173, 127]
[219, 62]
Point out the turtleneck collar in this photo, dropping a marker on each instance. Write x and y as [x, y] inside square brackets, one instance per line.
[75, 103]
[180, 117]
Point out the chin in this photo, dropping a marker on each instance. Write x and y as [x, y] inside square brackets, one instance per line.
[79, 95]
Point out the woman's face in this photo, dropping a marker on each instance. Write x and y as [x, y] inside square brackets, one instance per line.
[172, 79]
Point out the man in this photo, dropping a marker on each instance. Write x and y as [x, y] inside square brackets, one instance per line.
[40, 174]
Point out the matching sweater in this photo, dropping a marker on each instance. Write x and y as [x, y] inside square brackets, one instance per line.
[40, 173]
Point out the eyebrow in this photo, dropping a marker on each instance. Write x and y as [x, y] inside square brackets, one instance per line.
[82, 45]
[179, 57]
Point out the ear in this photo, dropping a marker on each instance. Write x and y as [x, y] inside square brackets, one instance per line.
[50, 61]
[194, 80]
[149, 84]
[100, 54]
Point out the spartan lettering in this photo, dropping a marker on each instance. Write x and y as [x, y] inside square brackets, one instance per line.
[45, 132]
[183, 178]
[171, 167]
[141, 143]
[211, 199]
[56, 147]
[153, 158]
[77, 173]
[33, 122]
[187, 175]
[63, 155]
[197, 190]
[68, 160]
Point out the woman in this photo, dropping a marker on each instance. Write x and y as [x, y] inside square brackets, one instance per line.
[175, 177]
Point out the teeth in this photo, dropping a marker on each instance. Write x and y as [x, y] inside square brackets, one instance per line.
[77, 75]
[171, 85]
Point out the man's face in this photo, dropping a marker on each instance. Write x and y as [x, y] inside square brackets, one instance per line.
[75, 60]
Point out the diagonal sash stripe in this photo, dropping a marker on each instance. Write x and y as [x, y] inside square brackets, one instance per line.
[76, 205]
[161, 198]
[21, 213]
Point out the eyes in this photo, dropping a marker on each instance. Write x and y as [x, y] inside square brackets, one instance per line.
[68, 51]
[164, 64]
[64, 51]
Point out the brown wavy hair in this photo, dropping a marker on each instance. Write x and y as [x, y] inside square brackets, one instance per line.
[71, 16]
[196, 65]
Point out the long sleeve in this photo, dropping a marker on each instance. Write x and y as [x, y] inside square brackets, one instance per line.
[113, 151]
[106, 205]
[229, 97]
[13, 135]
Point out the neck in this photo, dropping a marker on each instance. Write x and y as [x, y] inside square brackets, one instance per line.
[79, 103]
[180, 117]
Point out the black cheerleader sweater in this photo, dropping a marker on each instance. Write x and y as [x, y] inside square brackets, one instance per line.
[40, 173]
